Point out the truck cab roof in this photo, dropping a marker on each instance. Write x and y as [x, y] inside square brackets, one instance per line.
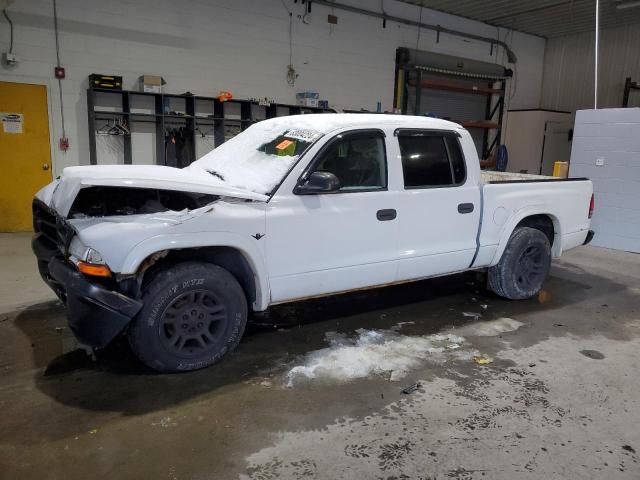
[327, 122]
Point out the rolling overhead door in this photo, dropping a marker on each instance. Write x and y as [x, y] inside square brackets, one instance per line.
[465, 91]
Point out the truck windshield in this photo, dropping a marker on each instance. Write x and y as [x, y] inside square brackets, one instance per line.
[259, 158]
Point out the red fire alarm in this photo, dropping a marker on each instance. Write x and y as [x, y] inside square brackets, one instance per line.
[64, 144]
[59, 73]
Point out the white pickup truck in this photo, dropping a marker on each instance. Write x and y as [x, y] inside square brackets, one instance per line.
[292, 208]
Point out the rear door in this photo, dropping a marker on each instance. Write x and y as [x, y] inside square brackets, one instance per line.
[438, 207]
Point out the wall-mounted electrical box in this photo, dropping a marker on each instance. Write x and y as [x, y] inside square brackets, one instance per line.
[9, 59]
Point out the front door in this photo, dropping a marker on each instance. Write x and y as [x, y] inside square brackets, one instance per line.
[326, 243]
[438, 210]
[25, 155]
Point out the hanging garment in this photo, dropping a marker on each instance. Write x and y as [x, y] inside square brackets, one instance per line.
[170, 157]
[184, 149]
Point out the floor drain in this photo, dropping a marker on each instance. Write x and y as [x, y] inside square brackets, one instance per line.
[596, 355]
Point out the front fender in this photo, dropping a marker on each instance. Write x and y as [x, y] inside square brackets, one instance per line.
[249, 248]
[519, 215]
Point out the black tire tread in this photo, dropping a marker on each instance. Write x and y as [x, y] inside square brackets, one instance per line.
[155, 286]
[497, 280]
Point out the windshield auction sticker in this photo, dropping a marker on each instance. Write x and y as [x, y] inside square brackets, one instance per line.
[304, 135]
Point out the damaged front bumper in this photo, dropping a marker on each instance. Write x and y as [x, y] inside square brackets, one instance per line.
[96, 314]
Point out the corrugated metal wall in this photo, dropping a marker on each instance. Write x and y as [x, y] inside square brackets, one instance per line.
[568, 69]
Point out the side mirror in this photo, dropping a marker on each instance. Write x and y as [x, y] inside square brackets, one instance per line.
[318, 182]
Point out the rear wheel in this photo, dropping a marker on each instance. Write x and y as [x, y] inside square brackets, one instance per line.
[524, 265]
[193, 314]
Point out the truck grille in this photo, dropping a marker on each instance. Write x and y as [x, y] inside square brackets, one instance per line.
[54, 229]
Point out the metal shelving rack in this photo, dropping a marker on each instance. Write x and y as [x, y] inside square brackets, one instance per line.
[628, 87]
[414, 77]
[220, 119]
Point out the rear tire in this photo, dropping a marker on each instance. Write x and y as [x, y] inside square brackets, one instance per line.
[193, 314]
[524, 265]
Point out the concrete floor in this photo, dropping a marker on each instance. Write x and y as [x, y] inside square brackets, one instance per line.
[560, 400]
[20, 283]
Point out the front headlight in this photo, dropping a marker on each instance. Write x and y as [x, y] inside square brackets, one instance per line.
[83, 253]
[93, 256]
[88, 260]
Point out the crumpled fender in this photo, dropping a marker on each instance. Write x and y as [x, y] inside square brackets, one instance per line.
[248, 247]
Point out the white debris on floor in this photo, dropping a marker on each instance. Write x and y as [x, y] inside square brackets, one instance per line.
[374, 352]
[489, 328]
[164, 422]
[388, 352]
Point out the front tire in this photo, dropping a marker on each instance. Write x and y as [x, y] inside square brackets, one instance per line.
[193, 314]
[524, 265]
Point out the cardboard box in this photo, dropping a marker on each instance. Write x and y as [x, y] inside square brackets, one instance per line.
[307, 99]
[151, 83]
[315, 95]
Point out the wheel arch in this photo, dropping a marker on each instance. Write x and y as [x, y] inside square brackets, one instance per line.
[229, 258]
[244, 262]
[544, 221]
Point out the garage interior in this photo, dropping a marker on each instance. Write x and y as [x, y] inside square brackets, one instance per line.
[483, 387]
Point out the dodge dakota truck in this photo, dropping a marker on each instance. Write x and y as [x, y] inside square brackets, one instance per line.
[291, 208]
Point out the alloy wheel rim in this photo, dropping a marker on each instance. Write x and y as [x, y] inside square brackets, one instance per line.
[530, 270]
[192, 322]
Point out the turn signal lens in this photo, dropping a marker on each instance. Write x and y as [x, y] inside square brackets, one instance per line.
[94, 270]
[592, 205]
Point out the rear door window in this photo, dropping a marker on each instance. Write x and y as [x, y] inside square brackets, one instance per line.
[431, 159]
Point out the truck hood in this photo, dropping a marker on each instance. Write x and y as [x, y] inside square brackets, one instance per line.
[61, 193]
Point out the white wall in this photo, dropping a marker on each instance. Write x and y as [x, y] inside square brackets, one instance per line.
[239, 45]
[569, 66]
[613, 136]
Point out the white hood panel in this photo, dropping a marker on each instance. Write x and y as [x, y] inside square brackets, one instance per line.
[61, 193]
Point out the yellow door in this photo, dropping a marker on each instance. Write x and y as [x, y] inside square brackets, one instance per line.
[25, 155]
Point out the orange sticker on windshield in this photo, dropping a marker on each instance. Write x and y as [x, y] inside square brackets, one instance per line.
[283, 145]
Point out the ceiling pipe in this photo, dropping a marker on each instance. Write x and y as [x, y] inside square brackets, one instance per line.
[511, 56]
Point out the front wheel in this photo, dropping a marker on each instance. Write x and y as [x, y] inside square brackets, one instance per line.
[524, 265]
[193, 314]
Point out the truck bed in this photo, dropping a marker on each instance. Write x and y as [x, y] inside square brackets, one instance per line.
[508, 197]
[496, 177]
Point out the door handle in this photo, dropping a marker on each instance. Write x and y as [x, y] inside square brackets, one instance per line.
[386, 214]
[45, 166]
[465, 207]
